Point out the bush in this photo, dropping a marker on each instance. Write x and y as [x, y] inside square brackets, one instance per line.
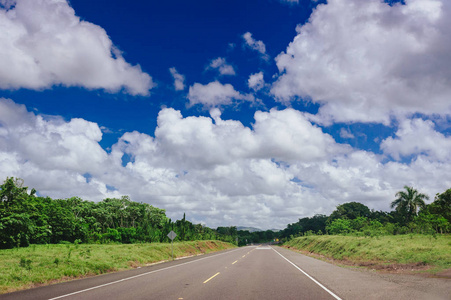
[339, 226]
[128, 235]
[112, 235]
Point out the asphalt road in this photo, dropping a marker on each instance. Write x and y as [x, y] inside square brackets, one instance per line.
[261, 272]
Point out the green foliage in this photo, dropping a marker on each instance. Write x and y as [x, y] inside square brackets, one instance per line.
[26, 219]
[246, 237]
[411, 215]
[351, 210]
[400, 249]
[317, 223]
[426, 222]
[442, 205]
[339, 226]
[23, 268]
[228, 234]
[25, 263]
[408, 203]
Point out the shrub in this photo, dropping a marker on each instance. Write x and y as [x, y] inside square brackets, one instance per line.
[339, 226]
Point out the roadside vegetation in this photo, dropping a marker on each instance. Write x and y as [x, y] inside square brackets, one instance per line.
[409, 252]
[414, 236]
[26, 219]
[411, 215]
[27, 267]
[48, 240]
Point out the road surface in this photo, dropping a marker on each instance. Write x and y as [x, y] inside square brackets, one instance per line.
[256, 272]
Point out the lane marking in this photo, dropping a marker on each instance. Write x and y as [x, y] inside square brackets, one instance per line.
[263, 248]
[139, 275]
[234, 262]
[244, 255]
[313, 279]
[211, 277]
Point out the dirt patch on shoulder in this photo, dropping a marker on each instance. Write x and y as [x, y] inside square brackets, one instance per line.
[394, 267]
[443, 274]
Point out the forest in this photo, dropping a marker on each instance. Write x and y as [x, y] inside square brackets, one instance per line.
[28, 219]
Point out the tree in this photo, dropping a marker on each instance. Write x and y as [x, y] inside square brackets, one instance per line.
[408, 202]
[442, 205]
[13, 192]
[339, 226]
[350, 210]
[16, 225]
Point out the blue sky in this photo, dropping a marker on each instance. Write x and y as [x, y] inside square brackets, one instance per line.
[252, 113]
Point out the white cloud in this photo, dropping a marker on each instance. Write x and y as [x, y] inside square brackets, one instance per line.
[215, 94]
[179, 79]
[50, 144]
[43, 43]
[51, 154]
[218, 171]
[222, 66]
[290, 1]
[346, 134]
[256, 81]
[258, 46]
[418, 137]
[282, 135]
[365, 61]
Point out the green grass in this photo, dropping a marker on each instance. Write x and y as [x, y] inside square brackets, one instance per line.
[23, 268]
[396, 249]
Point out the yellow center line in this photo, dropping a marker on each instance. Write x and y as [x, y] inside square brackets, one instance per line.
[244, 255]
[234, 262]
[211, 277]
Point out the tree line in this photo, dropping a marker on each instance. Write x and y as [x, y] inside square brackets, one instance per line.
[27, 219]
[410, 214]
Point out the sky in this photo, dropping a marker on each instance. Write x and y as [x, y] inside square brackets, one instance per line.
[237, 113]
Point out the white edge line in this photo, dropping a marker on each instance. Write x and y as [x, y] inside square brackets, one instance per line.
[139, 275]
[313, 279]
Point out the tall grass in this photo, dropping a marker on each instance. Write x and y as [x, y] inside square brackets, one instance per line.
[36, 265]
[400, 249]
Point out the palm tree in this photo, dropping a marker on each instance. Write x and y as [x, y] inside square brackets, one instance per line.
[408, 202]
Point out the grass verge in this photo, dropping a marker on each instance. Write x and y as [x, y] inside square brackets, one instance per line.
[397, 253]
[38, 265]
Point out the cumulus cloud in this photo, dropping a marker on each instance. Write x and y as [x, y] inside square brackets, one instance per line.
[282, 135]
[219, 171]
[51, 153]
[222, 66]
[258, 46]
[215, 94]
[418, 137]
[43, 43]
[367, 61]
[256, 81]
[51, 144]
[179, 79]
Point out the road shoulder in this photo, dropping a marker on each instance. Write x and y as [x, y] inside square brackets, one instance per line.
[352, 283]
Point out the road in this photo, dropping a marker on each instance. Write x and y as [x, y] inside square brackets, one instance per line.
[257, 272]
